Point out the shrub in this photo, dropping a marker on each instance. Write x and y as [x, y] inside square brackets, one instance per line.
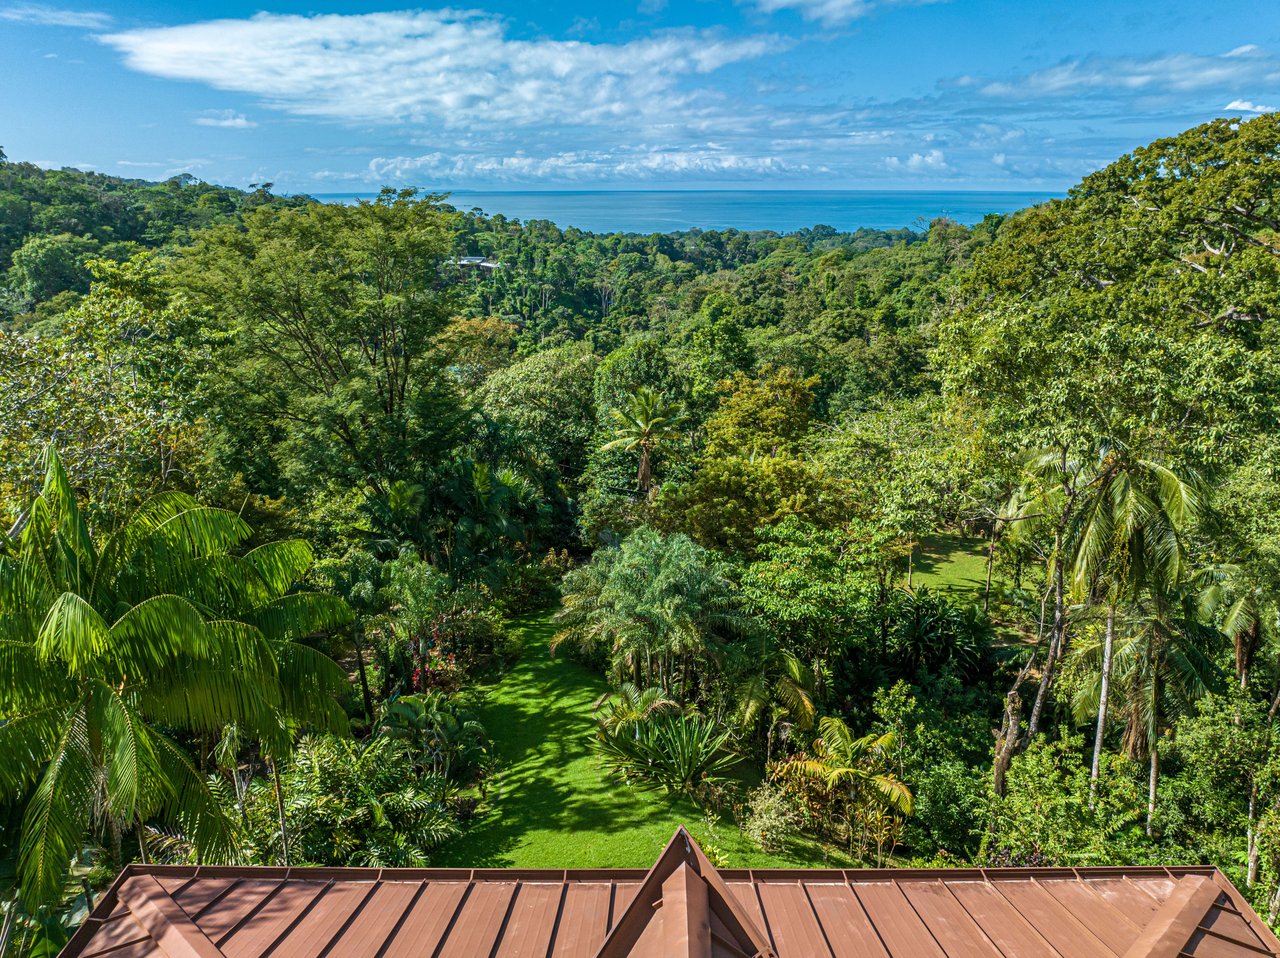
[683, 754]
[774, 816]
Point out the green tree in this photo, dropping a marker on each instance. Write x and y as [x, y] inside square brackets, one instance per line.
[47, 265]
[649, 423]
[105, 646]
[120, 384]
[655, 606]
[330, 315]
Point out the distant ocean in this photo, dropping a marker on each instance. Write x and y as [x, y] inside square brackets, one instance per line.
[635, 211]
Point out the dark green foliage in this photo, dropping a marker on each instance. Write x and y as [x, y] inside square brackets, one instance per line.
[350, 803]
[683, 754]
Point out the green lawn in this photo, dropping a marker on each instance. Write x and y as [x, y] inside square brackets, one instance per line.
[953, 564]
[553, 806]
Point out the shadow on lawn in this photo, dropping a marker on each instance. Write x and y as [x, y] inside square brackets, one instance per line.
[553, 805]
[539, 717]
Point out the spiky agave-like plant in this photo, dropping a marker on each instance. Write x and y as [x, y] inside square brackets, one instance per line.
[106, 644]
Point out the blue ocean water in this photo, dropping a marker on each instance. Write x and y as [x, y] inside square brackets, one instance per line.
[637, 211]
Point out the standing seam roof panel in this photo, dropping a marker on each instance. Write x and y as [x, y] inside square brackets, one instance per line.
[233, 907]
[377, 920]
[947, 920]
[273, 919]
[799, 933]
[849, 931]
[899, 927]
[582, 923]
[991, 911]
[528, 933]
[480, 922]
[430, 916]
[1066, 933]
[1114, 927]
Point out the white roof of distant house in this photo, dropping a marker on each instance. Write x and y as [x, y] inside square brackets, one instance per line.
[479, 262]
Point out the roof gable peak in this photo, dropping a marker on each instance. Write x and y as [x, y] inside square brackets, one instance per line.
[684, 908]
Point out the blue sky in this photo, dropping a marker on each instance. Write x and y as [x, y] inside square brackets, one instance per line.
[651, 94]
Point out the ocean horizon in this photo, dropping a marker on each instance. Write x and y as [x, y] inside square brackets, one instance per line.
[782, 211]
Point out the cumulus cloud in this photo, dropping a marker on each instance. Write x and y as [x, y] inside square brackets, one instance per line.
[1172, 73]
[934, 161]
[229, 119]
[40, 15]
[833, 12]
[459, 68]
[1247, 106]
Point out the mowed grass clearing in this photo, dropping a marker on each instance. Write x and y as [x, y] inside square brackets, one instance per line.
[953, 564]
[553, 805]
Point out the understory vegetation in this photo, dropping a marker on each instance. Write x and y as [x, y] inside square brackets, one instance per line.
[324, 545]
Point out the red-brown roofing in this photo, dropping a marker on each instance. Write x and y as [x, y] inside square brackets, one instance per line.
[681, 908]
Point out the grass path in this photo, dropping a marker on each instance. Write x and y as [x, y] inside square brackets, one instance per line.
[553, 805]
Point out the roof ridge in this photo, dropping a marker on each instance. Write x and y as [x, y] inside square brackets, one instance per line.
[682, 890]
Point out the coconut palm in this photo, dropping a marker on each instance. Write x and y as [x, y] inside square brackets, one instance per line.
[107, 645]
[1127, 533]
[1247, 607]
[649, 422]
[1163, 661]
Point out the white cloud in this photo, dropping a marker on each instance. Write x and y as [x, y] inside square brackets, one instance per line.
[456, 67]
[834, 12]
[40, 15]
[934, 161]
[229, 119]
[1246, 106]
[1172, 73]
[578, 165]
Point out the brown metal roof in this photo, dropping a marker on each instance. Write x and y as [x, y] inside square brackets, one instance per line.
[683, 907]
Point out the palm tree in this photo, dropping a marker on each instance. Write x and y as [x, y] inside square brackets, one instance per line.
[1163, 662]
[656, 605]
[1248, 608]
[649, 422]
[852, 772]
[1128, 533]
[106, 645]
[631, 706]
[777, 684]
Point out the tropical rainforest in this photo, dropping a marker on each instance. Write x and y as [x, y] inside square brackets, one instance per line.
[941, 546]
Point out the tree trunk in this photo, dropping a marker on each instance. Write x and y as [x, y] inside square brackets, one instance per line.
[911, 562]
[643, 476]
[6, 930]
[1251, 867]
[1057, 638]
[142, 843]
[1007, 739]
[284, 832]
[1153, 781]
[1246, 645]
[358, 637]
[1108, 645]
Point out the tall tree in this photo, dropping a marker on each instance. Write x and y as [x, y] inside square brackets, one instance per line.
[649, 423]
[329, 316]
